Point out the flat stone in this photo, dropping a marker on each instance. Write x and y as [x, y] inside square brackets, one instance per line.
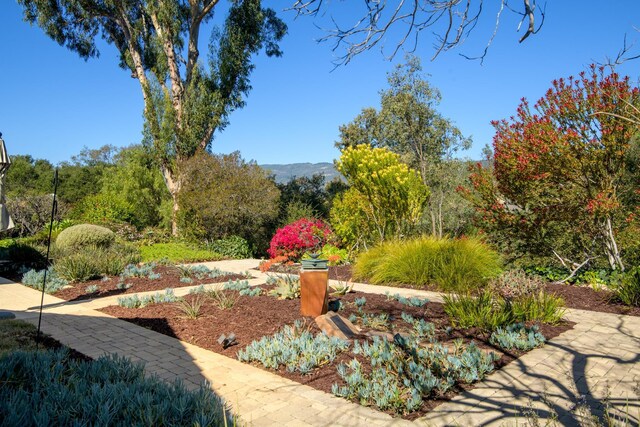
[5, 315]
[335, 325]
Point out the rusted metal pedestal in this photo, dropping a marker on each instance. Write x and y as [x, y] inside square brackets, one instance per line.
[314, 292]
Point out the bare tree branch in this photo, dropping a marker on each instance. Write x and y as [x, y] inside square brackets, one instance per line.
[451, 22]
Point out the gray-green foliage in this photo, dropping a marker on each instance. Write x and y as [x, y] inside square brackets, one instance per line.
[421, 328]
[517, 336]
[81, 235]
[295, 348]
[143, 270]
[135, 301]
[287, 286]
[48, 388]
[403, 374]
[35, 278]
[243, 288]
[411, 301]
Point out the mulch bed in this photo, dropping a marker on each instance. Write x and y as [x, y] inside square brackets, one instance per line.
[580, 297]
[254, 317]
[169, 278]
[586, 298]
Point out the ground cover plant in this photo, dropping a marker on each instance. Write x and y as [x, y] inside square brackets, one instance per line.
[133, 279]
[48, 384]
[270, 333]
[443, 264]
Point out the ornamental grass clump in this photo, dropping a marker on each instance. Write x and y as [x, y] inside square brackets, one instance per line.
[48, 388]
[403, 373]
[451, 265]
[489, 311]
[295, 348]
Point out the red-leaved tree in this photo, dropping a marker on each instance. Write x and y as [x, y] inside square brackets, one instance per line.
[558, 169]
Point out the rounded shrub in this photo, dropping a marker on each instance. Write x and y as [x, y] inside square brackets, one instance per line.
[457, 265]
[303, 235]
[82, 235]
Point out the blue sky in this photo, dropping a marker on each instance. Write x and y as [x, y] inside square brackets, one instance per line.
[53, 103]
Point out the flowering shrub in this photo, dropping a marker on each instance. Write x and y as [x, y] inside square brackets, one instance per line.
[303, 235]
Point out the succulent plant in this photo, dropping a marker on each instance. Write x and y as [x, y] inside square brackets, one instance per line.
[517, 336]
[295, 348]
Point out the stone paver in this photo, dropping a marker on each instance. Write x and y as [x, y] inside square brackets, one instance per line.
[600, 357]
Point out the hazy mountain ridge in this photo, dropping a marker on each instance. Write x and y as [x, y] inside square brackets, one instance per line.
[284, 172]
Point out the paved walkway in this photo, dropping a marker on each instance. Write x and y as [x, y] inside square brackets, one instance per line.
[600, 357]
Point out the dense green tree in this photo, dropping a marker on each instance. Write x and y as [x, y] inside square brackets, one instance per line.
[137, 181]
[409, 124]
[306, 194]
[223, 195]
[28, 176]
[185, 100]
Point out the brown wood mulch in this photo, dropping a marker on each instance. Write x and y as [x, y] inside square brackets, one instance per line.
[251, 318]
[575, 296]
[169, 278]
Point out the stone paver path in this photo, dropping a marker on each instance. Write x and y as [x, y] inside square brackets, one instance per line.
[600, 357]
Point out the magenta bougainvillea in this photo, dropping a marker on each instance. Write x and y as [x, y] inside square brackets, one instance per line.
[303, 235]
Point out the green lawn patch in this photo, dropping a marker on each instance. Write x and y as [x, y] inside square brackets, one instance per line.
[176, 253]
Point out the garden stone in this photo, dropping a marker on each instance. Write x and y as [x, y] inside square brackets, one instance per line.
[335, 325]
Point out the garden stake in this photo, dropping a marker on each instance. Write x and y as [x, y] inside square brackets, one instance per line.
[54, 207]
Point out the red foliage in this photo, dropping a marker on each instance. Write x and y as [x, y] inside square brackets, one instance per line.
[303, 235]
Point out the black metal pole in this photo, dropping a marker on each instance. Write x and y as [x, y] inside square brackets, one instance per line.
[54, 207]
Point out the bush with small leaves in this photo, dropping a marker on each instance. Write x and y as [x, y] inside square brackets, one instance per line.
[515, 283]
[35, 278]
[49, 388]
[295, 348]
[78, 236]
[231, 247]
[517, 336]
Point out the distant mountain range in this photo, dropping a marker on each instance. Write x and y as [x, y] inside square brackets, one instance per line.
[284, 173]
